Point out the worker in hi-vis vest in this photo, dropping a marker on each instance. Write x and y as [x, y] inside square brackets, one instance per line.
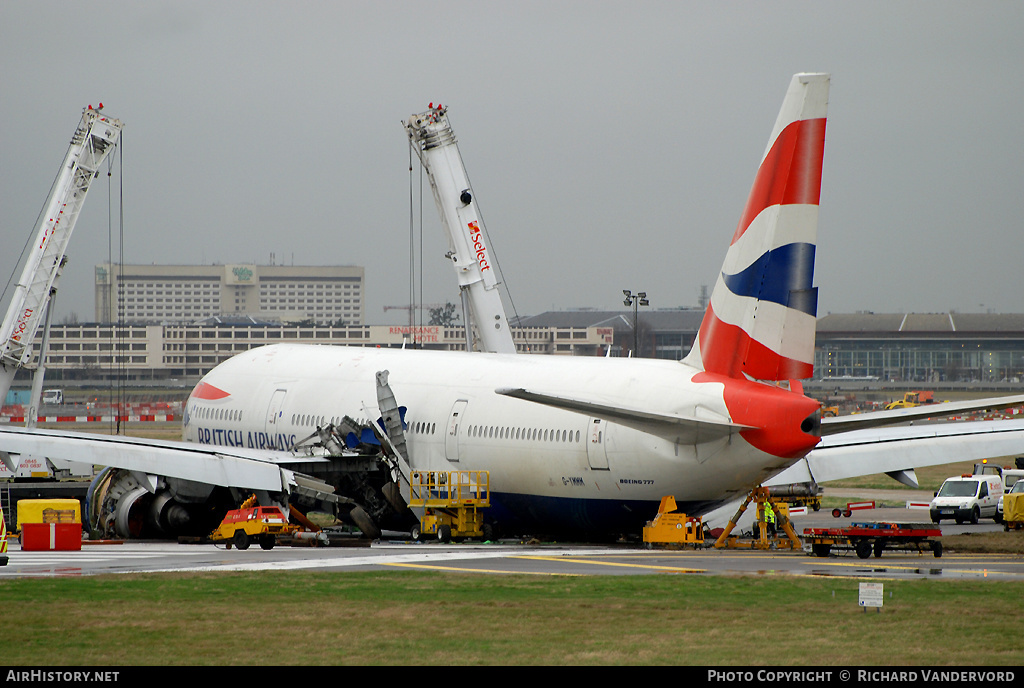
[769, 518]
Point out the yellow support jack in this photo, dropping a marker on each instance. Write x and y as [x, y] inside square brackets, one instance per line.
[671, 528]
[760, 496]
[452, 501]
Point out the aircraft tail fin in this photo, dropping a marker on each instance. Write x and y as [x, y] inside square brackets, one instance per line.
[761, 319]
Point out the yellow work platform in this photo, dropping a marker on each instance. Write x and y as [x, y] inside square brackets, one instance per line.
[452, 501]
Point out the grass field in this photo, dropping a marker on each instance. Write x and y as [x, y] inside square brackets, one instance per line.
[430, 619]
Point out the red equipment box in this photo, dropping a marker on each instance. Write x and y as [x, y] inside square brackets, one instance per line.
[37, 537]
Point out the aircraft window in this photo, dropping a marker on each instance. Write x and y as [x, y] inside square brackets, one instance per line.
[577, 437]
[545, 435]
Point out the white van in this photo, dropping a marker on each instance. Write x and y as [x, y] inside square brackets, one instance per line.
[967, 498]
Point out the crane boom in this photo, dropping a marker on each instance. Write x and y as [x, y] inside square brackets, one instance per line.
[434, 142]
[94, 139]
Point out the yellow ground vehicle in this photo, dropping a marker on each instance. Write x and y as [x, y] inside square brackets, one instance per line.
[672, 527]
[1013, 507]
[452, 501]
[912, 399]
[261, 524]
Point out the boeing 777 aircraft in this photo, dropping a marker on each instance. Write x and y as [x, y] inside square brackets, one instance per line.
[572, 444]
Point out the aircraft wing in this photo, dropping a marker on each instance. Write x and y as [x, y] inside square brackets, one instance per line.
[706, 428]
[838, 424]
[897, 450]
[254, 469]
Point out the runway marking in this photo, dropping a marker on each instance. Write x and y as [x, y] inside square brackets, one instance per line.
[412, 559]
[575, 560]
[467, 570]
[937, 565]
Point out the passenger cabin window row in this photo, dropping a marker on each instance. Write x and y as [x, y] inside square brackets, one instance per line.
[211, 413]
[312, 420]
[524, 434]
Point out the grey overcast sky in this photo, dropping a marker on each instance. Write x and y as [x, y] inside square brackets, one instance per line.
[611, 145]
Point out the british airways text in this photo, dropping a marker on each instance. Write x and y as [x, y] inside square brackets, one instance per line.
[238, 438]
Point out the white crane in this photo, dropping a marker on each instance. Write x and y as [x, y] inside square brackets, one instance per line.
[94, 139]
[434, 142]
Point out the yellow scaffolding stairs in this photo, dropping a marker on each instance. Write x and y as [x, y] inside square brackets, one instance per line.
[452, 503]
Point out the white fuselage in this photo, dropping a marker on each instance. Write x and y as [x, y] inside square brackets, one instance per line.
[544, 462]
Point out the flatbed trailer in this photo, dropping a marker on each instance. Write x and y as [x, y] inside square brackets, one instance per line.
[865, 538]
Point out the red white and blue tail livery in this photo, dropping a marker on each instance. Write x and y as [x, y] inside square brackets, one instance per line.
[760, 323]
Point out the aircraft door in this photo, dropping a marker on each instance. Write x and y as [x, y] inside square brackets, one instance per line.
[274, 411]
[597, 440]
[451, 438]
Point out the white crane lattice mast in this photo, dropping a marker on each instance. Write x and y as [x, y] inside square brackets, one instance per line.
[94, 139]
[434, 142]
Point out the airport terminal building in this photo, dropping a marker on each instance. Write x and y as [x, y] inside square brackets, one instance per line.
[188, 293]
[921, 347]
